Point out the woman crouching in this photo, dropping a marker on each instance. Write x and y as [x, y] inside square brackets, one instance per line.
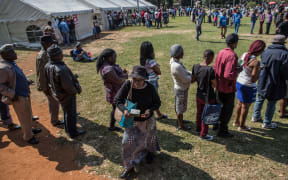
[140, 141]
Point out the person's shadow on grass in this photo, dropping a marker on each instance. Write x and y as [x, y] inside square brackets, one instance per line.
[272, 144]
[164, 166]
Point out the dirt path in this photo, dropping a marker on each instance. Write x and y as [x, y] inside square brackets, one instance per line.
[52, 158]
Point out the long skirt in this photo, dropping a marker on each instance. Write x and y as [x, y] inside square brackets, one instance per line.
[138, 141]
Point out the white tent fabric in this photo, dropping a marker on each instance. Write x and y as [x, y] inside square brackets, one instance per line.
[102, 4]
[123, 4]
[16, 10]
[17, 15]
[59, 7]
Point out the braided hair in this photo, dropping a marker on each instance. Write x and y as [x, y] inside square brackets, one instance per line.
[256, 47]
[102, 58]
[146, 52]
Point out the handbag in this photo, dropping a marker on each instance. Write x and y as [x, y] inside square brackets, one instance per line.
[119, 115]
[211, 112]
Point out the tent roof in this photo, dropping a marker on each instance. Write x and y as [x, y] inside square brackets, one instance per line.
[58, 7]
[102, 4]
[123, 3]
[32, 10]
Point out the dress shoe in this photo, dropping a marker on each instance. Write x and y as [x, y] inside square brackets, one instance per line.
[36, 130]
[126, 173]
[33, 140]
[115, 129]
[149, 158]
[13, 127]
[185, 128]
[57, 123]
[77, 133]
[215, 127]
[225, 134]
[35, 118]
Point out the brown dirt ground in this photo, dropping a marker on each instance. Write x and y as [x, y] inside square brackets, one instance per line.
[45, 161]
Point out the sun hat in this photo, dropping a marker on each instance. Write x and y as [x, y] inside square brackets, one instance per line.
[139, 72]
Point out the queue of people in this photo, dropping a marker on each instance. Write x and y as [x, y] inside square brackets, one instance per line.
[217, 84]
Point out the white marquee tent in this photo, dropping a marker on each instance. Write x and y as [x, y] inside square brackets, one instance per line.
[21, 21]
[102, 6]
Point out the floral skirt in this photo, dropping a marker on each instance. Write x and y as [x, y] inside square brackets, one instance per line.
[138, 141]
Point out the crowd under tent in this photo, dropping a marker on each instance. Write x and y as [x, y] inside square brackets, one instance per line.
[22, 21]
[101, 7]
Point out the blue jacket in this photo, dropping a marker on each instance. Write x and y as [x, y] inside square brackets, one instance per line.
[271, 83]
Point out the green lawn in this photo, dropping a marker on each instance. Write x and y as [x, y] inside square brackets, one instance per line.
[260, 154]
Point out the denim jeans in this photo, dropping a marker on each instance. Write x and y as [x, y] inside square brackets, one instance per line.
[70, 116]
[237, 28]
[252, 27]
[199, 32]
[269, 110]
[66, 38]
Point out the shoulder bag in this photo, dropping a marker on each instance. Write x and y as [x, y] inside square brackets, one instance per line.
[119, 115]
[211, 112]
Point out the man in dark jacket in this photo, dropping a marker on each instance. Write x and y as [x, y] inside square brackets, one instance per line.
[271, 84]
[41, 60]
[63, 86]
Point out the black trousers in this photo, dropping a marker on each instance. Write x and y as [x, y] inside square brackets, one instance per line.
[5, 113]
[112, 118]
[228, 105]
[268, 28]
[70, 115]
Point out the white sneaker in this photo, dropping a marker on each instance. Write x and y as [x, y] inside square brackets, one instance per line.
[207, 138]
[256, 120]
[269, 126]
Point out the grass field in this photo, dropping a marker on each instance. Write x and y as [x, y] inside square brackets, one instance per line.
[259, 154]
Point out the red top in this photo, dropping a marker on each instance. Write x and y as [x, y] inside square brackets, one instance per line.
[225, 70]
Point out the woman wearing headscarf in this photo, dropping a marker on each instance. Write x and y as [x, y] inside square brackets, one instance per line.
[139, 141]
[113, 77]
[147, 59]
[246, 83]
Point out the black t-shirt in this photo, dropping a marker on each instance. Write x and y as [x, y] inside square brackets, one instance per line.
[144, 99]
[202, 76]
[283, 28]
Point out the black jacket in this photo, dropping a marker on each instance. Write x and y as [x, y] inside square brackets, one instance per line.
[62, 83]
[272, 78]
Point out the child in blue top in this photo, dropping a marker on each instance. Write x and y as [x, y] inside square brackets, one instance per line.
[237, 19]
[223, 25]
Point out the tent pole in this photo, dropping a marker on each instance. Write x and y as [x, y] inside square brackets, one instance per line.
[138, 6]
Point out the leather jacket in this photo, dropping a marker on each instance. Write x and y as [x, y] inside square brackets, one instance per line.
[61, 82]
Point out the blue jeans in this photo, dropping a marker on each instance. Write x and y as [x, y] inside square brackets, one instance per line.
[252, 27]
[269, 110]
[237, 28]
[66, 39]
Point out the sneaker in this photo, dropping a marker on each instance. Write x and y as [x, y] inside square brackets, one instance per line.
[236, 125]
[207, 138]
[245, 128]
[269, 126]
[256, 120]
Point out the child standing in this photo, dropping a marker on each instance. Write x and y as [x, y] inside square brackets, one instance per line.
[198, 27]
[205, 77]
[147, 59]
[223, 25]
